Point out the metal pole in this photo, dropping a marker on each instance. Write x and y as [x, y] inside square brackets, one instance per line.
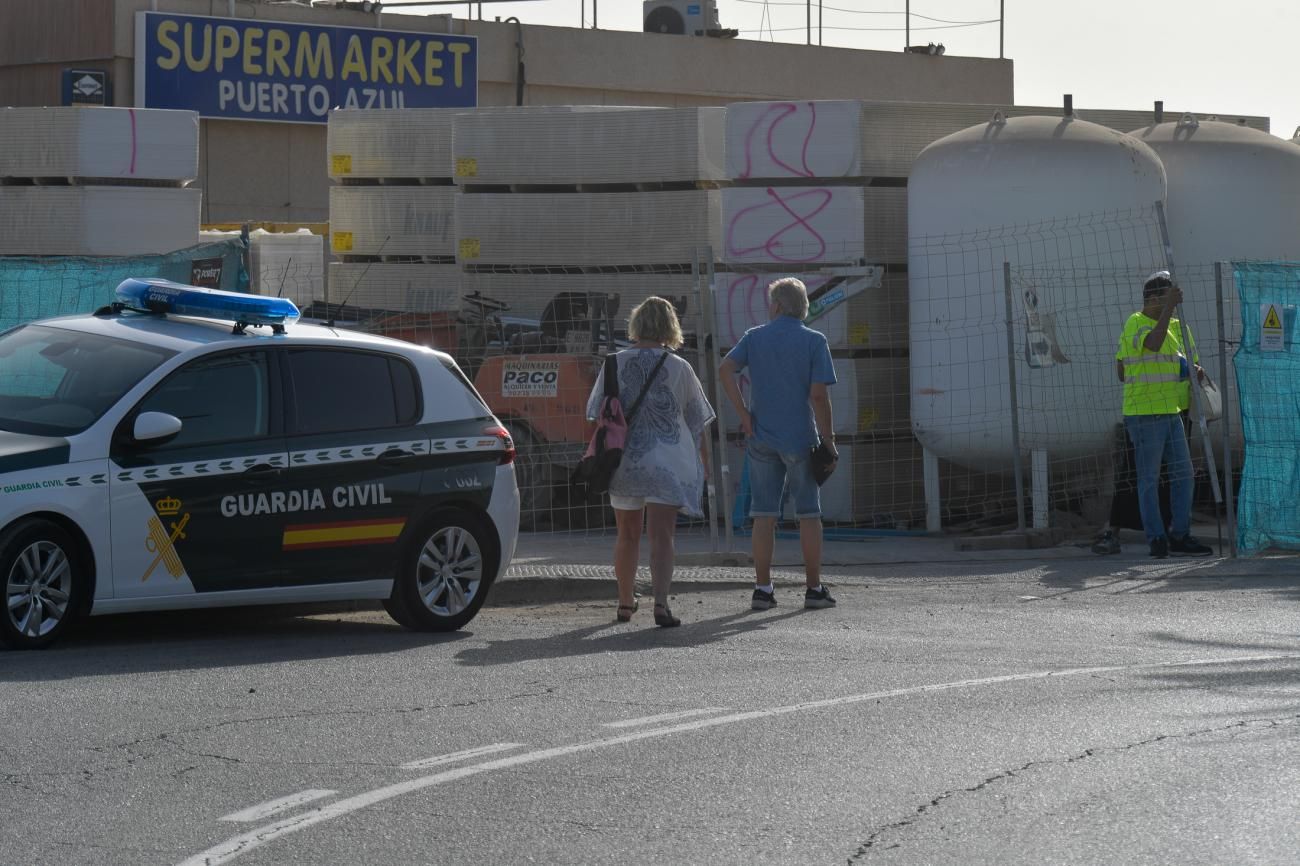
[595, 14]
[819, 22]
[582, 20]
[723, 472]
[809, 5]
[1002, 26]
[1015, 408]
[1227, 415]
[907, 24]
[703, 346]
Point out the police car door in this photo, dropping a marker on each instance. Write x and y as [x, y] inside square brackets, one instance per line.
[356, 451]
[202, 512]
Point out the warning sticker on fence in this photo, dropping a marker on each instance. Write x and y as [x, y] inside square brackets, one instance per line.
[530, 378]
[1270, 329]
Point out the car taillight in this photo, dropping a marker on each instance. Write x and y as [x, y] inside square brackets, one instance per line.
[507, 456]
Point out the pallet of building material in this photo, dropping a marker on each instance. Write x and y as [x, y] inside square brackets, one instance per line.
[874, 319]
[391, 221]
[287, 265]
[97, 220]
[369, 144]
[528, 294]
[538, 230]
[146, 146]
[842, 139]
[803, 225]
[870, 396]
[586, 147]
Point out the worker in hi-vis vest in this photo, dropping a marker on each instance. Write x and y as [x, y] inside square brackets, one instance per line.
[1154, 368]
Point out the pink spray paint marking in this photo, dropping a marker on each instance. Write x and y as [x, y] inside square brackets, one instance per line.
[811, 202]
[774, 117]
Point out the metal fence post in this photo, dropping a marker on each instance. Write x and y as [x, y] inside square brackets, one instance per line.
[1015, 405]
[702, 266]
[1227, 414]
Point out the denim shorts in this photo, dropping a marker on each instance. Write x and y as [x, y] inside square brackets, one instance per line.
[774, 475]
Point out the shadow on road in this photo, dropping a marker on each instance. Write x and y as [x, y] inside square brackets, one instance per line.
[1280, 577]
[187, 640]
[610, 637]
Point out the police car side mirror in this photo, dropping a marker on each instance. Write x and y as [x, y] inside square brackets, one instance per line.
[155, 427]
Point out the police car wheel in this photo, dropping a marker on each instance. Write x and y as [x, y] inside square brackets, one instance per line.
[43, 583]
[445, 574]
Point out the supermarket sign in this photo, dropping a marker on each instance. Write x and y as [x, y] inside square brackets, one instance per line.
[255, 69]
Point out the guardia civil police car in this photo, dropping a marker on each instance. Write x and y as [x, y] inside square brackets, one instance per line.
[188, 448]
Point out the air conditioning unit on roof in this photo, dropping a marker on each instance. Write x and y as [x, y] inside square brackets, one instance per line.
[685, 17]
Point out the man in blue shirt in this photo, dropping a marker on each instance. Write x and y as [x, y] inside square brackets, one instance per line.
[789, 368]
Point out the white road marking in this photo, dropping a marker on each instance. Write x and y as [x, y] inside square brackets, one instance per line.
[664, 717]
[271, 807]
[228, 850]
[453, 757]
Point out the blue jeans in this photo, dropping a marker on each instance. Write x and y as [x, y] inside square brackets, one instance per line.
[1160, 439]
[775, 474]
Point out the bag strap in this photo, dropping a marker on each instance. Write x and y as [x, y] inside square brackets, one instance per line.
[611, 375]
[646, 389]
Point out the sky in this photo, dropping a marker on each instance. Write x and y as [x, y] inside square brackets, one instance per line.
[1205, 56]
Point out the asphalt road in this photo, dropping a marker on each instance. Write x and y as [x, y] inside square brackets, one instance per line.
[1084, 710]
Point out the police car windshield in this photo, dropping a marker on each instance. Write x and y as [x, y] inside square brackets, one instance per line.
[56, 382]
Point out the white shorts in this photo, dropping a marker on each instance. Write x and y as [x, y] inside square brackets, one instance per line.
[635, 503]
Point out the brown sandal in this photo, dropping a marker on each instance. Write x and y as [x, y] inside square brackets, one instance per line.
[625, 611]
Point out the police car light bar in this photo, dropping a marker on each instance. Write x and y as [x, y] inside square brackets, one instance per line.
[164, 296]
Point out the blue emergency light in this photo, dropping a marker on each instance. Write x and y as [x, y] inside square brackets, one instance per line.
[164, 296]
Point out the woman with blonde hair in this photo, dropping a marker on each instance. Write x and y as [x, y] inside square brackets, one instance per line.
[663, 467]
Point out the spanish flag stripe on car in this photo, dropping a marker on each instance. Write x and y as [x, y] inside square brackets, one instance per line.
[342, 534]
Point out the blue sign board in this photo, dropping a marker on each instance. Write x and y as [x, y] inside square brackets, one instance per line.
[255, 69]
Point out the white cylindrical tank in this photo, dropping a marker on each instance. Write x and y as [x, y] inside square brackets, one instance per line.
[1070, 205]
[1234, 195]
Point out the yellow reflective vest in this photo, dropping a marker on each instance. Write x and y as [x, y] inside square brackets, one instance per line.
[1155, 383]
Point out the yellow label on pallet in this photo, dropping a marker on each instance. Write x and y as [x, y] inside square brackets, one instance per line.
[868, 417]
[466, 166]
[469, 248]
[341, 163]
[342, 242]
[859, 334]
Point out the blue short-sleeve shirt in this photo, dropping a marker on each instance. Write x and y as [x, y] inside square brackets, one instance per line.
[785, 358]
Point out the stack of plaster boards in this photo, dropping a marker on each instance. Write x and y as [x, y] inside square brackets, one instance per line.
[97, 181]
[591, 146]
[535, 230]
[97, 220]
[100, 145]
[375, 144]
[392, 210]
[393, 221]
[288, 264]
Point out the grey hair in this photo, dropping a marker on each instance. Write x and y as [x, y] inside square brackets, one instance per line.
[791, 296]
